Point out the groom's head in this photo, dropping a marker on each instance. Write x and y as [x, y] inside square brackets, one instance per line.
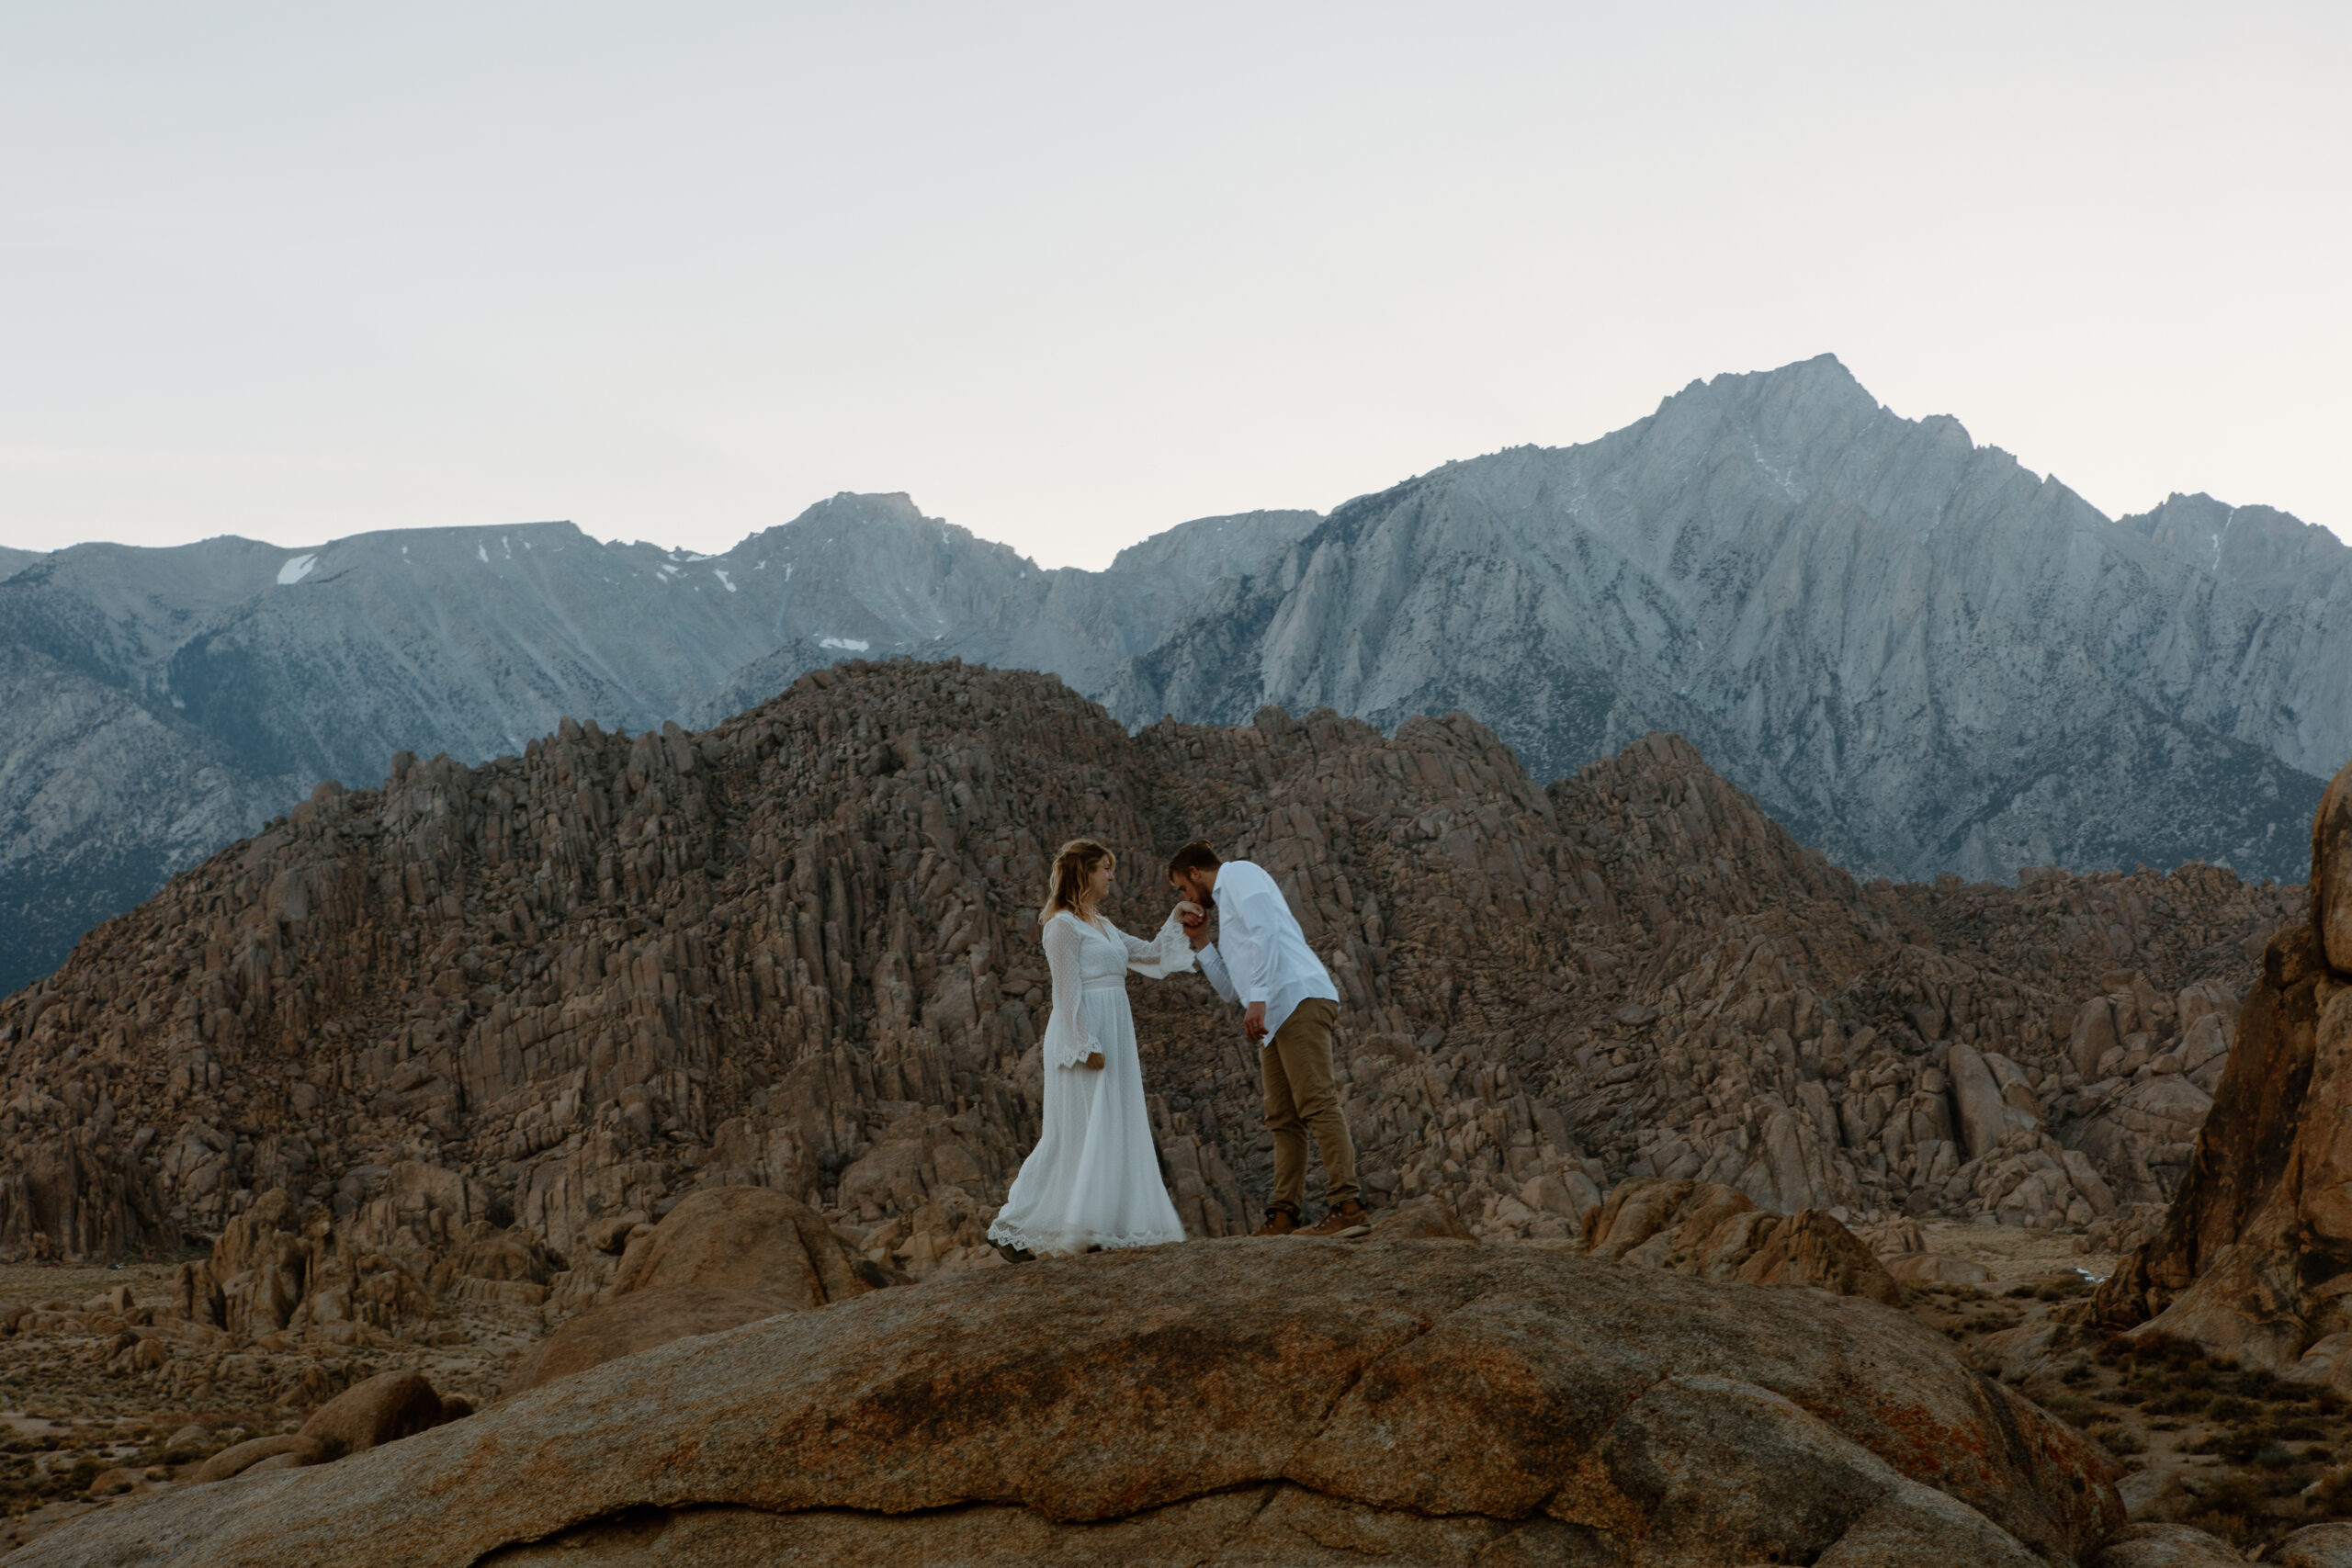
[1192, 871]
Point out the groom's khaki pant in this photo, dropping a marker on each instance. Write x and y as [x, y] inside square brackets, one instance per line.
[1299, 1096]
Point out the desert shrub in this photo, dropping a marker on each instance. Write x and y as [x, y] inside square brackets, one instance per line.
[2258, 1384]
[2334, 1497]
[2073, 1409]
[2230, 1506]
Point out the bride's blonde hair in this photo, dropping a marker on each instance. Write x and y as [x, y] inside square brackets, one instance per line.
[1071, 886]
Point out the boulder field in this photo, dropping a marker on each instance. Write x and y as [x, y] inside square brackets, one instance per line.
[479, 1022]
[1420, 1401]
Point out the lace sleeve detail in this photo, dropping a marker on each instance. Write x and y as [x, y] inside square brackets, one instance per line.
[1066, 1041]
[1165, 954]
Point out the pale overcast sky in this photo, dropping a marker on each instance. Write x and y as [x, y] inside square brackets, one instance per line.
[1071, 274]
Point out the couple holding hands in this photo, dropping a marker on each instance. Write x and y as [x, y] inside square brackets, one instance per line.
[1093, 1179]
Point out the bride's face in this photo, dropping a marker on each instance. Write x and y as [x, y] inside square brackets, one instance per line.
[1098, 887]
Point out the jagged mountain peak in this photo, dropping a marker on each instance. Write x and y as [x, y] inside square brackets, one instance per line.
[1920, 655]
[2272, 556]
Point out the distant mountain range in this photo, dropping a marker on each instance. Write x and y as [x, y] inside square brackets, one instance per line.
[1918, 655]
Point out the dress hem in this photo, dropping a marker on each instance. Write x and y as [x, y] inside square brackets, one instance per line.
[1014, 1236]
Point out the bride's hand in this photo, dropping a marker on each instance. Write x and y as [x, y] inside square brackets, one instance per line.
[1093, 1063]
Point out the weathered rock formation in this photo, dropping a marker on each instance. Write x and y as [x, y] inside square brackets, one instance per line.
[2255, 1259]
[383, 1409]
[1293, 1401]
[480, 1025]
[723, 1257]
[1696, 1227]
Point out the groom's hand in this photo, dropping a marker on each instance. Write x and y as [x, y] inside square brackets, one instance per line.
[1253, 1023]
[1195, 921]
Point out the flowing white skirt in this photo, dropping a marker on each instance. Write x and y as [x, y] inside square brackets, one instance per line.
[1094, 1178]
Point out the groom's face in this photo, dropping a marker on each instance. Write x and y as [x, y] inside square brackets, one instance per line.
[1194, 883]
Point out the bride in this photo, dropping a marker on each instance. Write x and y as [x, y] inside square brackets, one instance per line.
[1094, 1178]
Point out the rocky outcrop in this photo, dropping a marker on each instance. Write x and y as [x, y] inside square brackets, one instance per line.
[2255, 1258]
[1260, 1401]
[2315, 1546]
[743, 1238]
[480, 1025]
[724, 1255]
[1804, 1040]
[382, 1409]
[2158, 1545]
[1696, 1227]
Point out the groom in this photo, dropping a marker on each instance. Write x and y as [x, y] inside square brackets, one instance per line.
[1261, 960]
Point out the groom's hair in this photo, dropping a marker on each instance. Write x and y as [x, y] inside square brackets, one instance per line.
[1195, 856]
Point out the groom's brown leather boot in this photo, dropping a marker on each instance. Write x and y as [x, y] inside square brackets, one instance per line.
[1348, 1220]
[1279, 1222]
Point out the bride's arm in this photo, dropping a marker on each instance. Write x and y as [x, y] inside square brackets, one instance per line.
[1074, 1048]
[1167, 953]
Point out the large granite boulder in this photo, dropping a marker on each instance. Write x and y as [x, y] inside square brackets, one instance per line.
[1261, 1401]
[724, 1255]
[2255, 1259]
[743, 1238]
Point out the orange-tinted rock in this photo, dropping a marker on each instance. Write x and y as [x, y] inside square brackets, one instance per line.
[2315, 1546]
[2331, 887]
[383, 1409]
[292, 1448]
[1422, 1399]
[639, 1321]
[743, 1238]
[1917, 1269]
[2159, 1545]
[2248, 1264]
[1716, 1234]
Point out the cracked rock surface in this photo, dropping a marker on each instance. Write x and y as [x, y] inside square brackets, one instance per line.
[1302, 1402]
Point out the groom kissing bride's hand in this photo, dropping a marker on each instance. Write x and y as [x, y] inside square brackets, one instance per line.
[1260, 959]
[1195, 921]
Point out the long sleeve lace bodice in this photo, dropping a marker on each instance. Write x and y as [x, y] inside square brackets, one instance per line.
[1081, 955]
[1094, 1178]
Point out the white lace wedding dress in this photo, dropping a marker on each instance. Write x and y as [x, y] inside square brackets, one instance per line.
[1093, 1179]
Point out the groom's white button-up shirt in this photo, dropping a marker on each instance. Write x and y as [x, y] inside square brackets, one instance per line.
[1260, 954]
